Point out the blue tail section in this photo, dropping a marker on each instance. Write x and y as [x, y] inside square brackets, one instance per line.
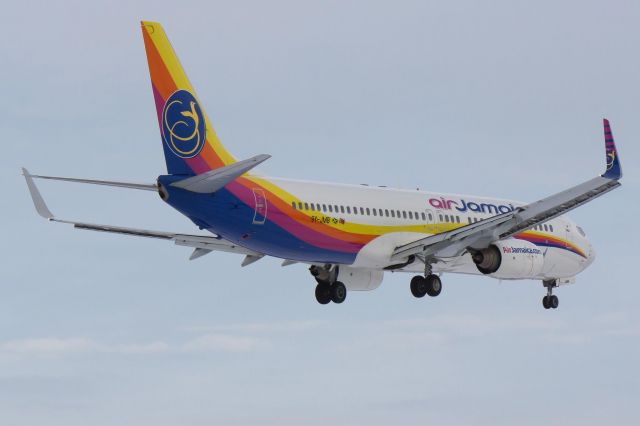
[614, 170]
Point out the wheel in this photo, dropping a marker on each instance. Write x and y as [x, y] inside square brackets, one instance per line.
[554, 302]
[434, 285]
[338, 292]
[545, 302]
[418, 286]
[323, 293]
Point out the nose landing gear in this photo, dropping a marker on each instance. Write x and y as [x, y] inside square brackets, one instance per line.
[550, 301]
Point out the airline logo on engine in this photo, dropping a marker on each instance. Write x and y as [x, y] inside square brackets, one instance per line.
[520, 250]
[464, 205]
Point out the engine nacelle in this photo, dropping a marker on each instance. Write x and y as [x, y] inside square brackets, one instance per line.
[359, 278]
[509, 259]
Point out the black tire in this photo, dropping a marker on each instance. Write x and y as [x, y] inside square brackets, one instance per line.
[338, 292]
[418, 286]
[545, 302]
[434, 285]
[554, 302]
[323, 293]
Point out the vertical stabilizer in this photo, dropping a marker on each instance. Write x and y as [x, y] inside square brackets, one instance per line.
[190, 144]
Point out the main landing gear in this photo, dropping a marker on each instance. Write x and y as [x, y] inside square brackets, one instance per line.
[550, 301]
[329, 289]
[335, 293]
[428, 284]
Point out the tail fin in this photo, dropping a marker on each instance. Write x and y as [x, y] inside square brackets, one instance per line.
[190, 144]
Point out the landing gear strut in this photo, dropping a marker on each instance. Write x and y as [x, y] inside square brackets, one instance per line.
[550, 301]
[428, 284]
[329, 289]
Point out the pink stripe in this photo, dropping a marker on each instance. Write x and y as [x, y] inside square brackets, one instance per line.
[159, 104]
[197, 164]
[289, 224]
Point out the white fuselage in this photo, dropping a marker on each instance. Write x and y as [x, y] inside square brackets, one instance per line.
[399, 216]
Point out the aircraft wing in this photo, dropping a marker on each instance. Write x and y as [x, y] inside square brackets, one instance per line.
[202, 244]
[480, 234]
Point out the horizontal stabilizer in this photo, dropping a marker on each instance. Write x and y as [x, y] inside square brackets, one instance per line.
[210, 182]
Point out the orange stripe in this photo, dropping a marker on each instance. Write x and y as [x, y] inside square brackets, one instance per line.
[160, 76]
[209, 155]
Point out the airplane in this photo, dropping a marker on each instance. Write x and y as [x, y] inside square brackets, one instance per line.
[347, 235]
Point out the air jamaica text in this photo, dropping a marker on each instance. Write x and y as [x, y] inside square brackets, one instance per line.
[463, 206]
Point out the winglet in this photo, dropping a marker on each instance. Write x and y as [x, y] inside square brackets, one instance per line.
[38, 201]
[614, 170]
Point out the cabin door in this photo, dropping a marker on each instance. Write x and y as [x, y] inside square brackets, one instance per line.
[260, 213]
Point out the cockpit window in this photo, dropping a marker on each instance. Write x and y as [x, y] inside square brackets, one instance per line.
[581, 231]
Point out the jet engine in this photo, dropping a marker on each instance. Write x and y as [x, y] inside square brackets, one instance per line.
[509, 259]
[359, 278]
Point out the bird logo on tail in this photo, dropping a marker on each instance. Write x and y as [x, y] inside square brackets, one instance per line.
[183, 128]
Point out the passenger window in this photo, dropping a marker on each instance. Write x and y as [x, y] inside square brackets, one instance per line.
[348, 210]
[458, 219]
[424, 217]
[441, 219]
[469, 219]
[551, 228]
[404, 214]
[361, 211]
[299, 205]
[393, 213]
[446, 218]
[430, 217]
[306, 206]
[324, 207]
[368, 212]
[374, 212]
[581, 231]
[386, 212]
[380, 212]
[293, 204]
[410, 215]
[341, 209]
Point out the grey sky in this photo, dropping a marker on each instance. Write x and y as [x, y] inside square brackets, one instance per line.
[494, 98]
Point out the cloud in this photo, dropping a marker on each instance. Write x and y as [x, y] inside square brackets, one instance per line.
[224, 343]
[143, 348]
[260, 327]
[49, 345]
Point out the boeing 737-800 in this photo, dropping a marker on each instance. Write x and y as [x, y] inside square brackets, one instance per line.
[348, 235]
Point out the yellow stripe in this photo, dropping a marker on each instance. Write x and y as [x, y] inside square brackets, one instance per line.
[355, 228]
